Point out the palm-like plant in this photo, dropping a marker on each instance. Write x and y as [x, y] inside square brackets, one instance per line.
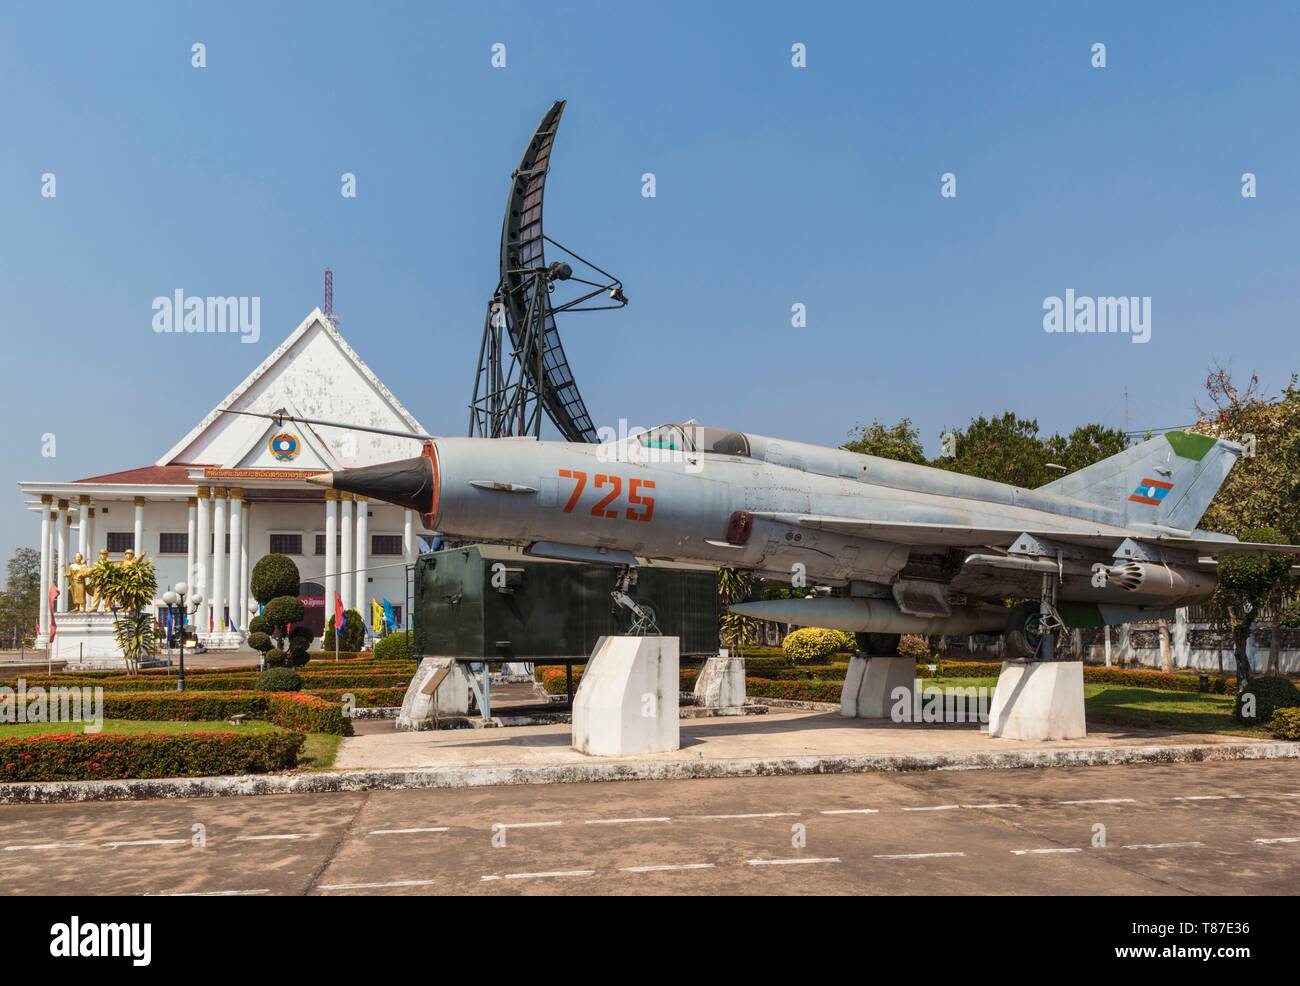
[128, 589]
[736, 631]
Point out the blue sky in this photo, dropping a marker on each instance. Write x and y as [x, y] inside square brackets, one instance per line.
[775, 186]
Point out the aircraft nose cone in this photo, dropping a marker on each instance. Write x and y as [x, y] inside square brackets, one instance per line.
[409, 483]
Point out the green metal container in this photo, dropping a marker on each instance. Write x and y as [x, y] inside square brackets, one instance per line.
[495, 603]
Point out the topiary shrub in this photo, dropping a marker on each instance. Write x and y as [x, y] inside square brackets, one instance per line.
[1285, 724]
[282, 611]
[274, 575]
[278, 679]
[354, 633]
[394, 647]
[260, 624]
[1269, 692]
[260, 641]
[810, 643]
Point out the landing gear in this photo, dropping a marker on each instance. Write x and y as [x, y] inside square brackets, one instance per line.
[1033, 629]
[878, 644]
[642, 619]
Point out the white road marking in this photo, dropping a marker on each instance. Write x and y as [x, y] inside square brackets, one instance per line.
[918, 855]
[218, 893]
[374, 886]
[45, 845]
[1273, 842]
[992, 806]
[792, 862]
[147, 842]
[527, 825]
[852, 811]
[934, 808]
[1038, 852]
[755, 814]
[540, 876]
[666, 868]
[439, 828]
[1209, 797]
[283, 837]
[1100, 801]
[625, 821]
[1166, 845]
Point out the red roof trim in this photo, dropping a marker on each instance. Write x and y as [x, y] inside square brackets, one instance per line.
[175, 474]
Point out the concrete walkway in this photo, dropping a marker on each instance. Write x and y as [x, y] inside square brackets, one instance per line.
[777, 735]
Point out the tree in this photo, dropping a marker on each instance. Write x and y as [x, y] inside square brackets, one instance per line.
[274, 584]
[1246, 583]
[128, 589]
[1008, 449]
[20, 602]
[901, 442]
[1085, 445]
[735, 631]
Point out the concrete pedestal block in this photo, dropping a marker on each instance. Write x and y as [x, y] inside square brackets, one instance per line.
[871, 684]
[1038, 700]
[87, 640]
[449, 698]
[627, 701]
[721, 684]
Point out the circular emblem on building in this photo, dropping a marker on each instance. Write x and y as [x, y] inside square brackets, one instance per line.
[285, 447]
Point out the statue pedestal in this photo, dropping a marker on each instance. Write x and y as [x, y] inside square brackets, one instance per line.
[86, 639]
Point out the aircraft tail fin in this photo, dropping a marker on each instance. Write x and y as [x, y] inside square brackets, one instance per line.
[1167, 480]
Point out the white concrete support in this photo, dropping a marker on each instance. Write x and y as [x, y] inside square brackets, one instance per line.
[47, 567]
[218, 560]
[62, 578]
[448, 681]
[331, 550]
[138, 537]
[236, 540]
[363, 557]
[191, 543]
[83, 530]
[873, 686]
[408, 536]
[91, 557]
[721, 684]
[1038, 700]
[347, 580]
[201, 581]
[627, 701]
[245, 600]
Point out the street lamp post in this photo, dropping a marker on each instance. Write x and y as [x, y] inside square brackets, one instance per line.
[174, 600]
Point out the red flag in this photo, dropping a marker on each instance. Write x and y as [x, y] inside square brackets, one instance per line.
[338, 612]
[54, 597]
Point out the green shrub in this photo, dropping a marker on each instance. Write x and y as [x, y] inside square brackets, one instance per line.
[914, 646]
[292, 710]
[283, 610]
[279, 680]
[354, 633]
[1285, 724]
[393, 647]
[808, 644]
[260, 641]
[104, 756]
[260, 624]
[274, 576]
[799, 691]
[1271, 692]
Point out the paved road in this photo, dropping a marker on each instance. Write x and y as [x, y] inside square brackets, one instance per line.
[1228, 828]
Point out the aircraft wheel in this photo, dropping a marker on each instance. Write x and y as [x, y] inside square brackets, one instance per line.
[878, 644]
[1023, 633]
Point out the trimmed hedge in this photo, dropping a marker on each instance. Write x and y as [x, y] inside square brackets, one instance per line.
[1271, 692]
[806, 645]
[291, 710]
[228, 682]
[87, 756]
[394, 647]
[1140, 678]
[799, 691]
[1285, 724]
[365, 698]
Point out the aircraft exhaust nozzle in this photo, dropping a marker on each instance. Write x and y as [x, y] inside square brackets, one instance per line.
[857, 615]
[409, 483]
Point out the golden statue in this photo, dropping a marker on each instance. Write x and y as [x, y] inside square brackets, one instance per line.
[78, 575]
[97, 599]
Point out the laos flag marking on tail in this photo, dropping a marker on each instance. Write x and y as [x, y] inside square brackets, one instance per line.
[1151, 491]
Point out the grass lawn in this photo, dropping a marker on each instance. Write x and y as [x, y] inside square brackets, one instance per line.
[122, 727]
[319, 751]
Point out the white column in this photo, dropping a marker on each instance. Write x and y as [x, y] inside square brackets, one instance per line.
[139, 526]
[236, 540]
[83, 529]
[331, 550]
[202, 559]
[191, 541]
[408, 536]
[64, 516]
[246, 613]
[346, 581]
[47, 565]
[218, 559]
[363, 557]
[91, 558]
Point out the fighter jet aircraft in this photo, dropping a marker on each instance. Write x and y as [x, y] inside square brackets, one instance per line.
[911, 549]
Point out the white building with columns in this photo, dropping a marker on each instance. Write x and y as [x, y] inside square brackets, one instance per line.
[234, 489]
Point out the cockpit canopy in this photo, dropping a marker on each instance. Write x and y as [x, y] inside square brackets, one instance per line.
[691, 437]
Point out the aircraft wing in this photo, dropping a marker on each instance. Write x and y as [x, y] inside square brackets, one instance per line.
[957, 535]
